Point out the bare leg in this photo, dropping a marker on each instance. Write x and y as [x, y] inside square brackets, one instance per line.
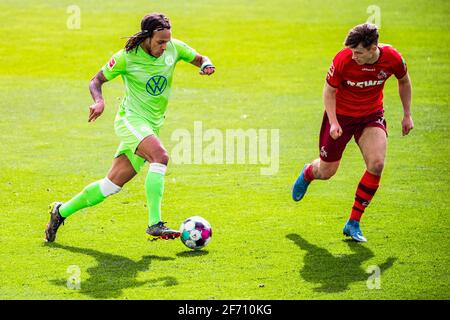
[121, 171]
[152, 150]
[372, 144]
[323, 170]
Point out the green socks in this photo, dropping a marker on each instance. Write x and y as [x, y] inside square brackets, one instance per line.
[91, 195]
[154, 189]
[97, 191]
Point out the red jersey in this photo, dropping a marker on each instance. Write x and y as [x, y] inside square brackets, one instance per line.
[360, 87]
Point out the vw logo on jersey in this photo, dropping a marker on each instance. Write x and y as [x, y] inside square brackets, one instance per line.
[156, 85]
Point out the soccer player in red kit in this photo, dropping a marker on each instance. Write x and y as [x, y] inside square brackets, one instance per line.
[353, 98]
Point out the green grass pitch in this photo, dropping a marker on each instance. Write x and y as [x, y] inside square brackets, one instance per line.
[271, 59]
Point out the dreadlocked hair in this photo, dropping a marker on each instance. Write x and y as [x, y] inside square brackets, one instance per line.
[149, 24]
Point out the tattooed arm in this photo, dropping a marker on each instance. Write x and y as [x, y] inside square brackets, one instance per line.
[95, 87]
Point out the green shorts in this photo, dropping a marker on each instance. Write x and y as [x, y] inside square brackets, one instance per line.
[132, 129]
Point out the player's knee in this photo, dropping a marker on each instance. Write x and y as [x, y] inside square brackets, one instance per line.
[376, 167]
[161, 157]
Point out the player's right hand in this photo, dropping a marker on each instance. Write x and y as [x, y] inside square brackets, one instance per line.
[96, 110]
[335, 130]
[208, 71]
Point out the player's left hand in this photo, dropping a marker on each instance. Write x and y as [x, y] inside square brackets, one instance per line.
[407, 125]
[207, 71]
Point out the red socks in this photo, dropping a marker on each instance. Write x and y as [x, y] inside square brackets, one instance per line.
[367, 187]
[309, 174]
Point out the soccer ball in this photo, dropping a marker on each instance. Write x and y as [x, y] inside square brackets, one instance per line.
[195, 232]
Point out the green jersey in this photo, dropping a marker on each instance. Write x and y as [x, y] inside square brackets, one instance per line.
[147, 79]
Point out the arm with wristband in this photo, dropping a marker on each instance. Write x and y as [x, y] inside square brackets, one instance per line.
[205, 65]
[188, 54]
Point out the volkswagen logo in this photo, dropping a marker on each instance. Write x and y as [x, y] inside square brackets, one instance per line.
[156, 85]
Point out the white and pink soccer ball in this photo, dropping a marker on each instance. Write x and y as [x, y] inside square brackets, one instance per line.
[195, 232]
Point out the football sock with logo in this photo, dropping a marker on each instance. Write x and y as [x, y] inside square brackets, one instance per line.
[154, 189]
[309, 174]
[91, 195]
[367, 187]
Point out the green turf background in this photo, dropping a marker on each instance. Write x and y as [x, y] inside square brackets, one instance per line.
[271, 59]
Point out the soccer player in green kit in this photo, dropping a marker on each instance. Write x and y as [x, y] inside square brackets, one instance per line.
[146, 65]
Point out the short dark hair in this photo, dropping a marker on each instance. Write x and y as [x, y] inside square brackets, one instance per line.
[150, 23]
[365, 34]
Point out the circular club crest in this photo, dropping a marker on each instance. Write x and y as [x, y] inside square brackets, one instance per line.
[156, 85]
[169, 60]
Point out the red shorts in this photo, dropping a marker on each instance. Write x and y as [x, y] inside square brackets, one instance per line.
[331, 150]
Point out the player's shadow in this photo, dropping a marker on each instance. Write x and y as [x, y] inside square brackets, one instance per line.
[113, 273]
[334, 273]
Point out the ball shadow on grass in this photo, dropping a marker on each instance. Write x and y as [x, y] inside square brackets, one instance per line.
[192, 253]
